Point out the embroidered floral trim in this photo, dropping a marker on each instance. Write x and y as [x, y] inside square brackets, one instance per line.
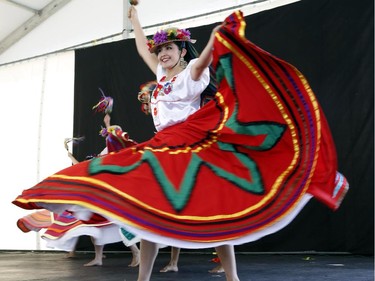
[165, 89]
[162, 90]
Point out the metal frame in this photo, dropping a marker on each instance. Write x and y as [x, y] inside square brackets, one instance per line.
[38, 17]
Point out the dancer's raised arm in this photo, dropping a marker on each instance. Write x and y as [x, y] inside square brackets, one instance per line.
[141, 41]
[205, 57]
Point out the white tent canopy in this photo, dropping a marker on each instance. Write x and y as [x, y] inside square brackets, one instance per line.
[33, 28]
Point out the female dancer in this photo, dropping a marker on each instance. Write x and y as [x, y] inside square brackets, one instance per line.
[169, 58]
[261, 149]
[62, 231]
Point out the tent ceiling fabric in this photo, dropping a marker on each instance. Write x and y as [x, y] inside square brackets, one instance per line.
[38, 15]
[38, 27]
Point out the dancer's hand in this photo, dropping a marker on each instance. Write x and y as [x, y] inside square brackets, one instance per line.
[133, 14]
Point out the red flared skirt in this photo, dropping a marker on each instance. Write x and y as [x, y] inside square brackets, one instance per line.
[239, 168]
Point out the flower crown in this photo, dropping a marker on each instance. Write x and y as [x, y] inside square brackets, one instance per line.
[168, 35]
[144, 96]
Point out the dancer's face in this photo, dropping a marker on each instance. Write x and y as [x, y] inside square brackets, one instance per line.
[168, 55]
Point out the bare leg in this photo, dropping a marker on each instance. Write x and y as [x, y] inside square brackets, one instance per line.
[172, 265]
[70, 254]
[228, 261]
[136, 254]
[217, 269]
[98, 260]
[149, 251]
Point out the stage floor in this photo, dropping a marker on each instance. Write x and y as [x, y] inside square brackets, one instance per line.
[54, 266]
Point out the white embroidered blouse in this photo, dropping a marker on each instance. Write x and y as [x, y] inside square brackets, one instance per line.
[174, 100]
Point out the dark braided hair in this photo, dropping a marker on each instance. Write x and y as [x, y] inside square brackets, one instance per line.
[210, 91]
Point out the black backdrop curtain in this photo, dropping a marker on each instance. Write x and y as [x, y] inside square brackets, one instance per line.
[332, 43]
